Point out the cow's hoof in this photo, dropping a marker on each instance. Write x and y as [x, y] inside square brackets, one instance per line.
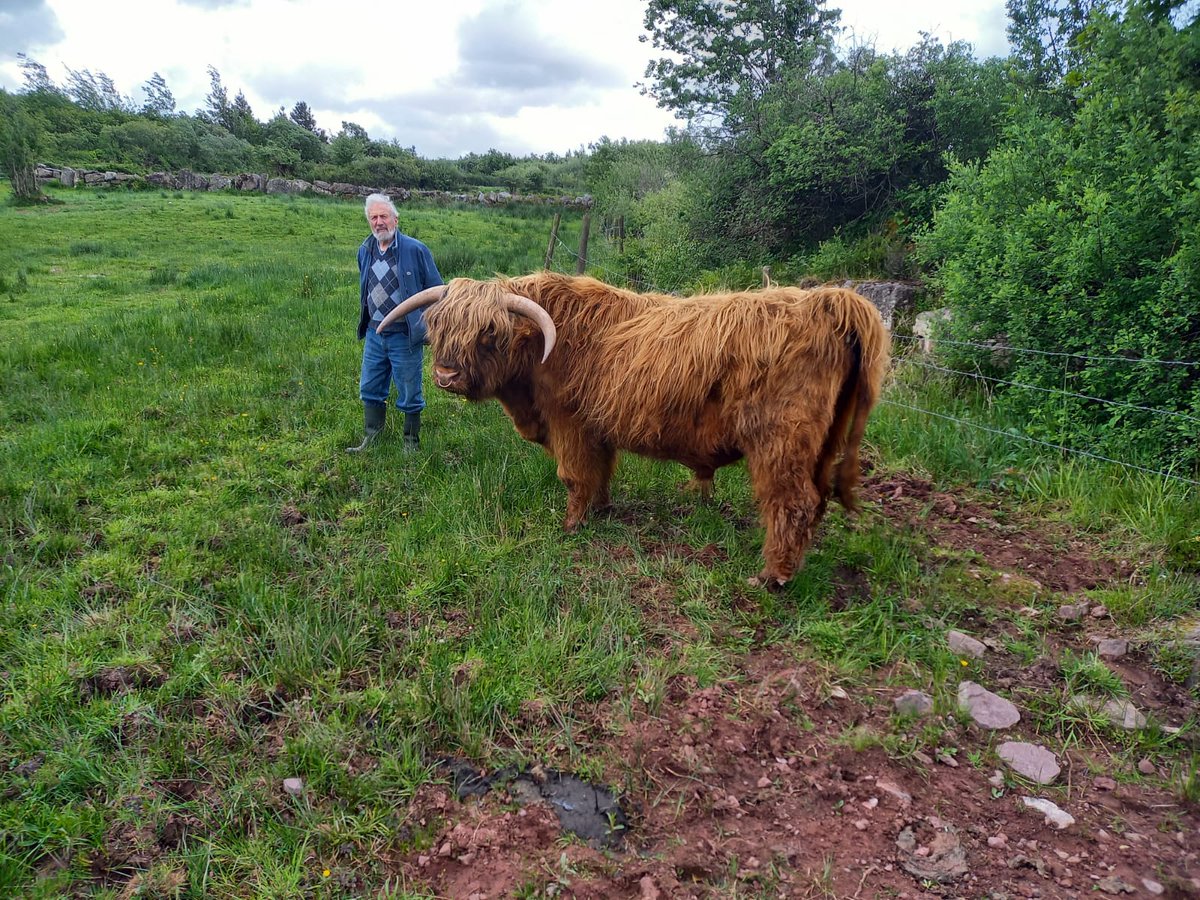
[767, 582]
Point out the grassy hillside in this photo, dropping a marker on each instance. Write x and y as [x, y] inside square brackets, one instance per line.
[201, 595]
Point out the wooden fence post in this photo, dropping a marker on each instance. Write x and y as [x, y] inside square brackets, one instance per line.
[553, 240]
[766, 276]
[581, 265]
[621, 235]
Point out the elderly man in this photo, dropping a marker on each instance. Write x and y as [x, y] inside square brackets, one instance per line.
[391, 267]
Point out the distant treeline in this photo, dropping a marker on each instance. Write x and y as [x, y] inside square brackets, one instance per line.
[87, 123]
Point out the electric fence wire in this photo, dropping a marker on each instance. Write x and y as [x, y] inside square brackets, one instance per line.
[1033, 387]
[1062, 448]
[999, 348]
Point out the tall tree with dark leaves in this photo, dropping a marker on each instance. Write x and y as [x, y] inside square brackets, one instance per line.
[726, 56]
[303, 116]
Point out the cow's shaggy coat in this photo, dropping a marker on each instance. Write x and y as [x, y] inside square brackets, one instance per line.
[783, 377]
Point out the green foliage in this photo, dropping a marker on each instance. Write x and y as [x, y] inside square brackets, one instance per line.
[18, 148]
[1082, 236]
[724, 57]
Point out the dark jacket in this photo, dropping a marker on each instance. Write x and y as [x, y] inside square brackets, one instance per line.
[417, 272]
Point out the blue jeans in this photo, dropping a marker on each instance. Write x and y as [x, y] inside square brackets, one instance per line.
[387, 358]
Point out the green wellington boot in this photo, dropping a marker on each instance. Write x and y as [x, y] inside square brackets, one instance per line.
[412, 431]
[373, 419]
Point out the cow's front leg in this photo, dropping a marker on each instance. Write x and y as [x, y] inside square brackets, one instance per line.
[585, 467]
[791, 506]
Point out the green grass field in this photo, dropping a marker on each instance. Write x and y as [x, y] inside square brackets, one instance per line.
[201, 595]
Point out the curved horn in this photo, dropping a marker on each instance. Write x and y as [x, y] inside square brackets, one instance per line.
[416, 301]
[526, 307]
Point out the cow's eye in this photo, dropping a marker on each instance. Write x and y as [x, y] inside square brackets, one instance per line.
[487, 340]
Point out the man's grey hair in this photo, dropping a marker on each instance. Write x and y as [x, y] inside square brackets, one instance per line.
[379, 200]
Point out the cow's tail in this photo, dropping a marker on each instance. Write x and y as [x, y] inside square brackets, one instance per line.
[868, 343]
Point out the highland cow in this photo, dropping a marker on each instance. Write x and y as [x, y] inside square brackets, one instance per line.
[783, 377]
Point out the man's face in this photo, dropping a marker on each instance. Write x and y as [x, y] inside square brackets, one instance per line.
[383, 222]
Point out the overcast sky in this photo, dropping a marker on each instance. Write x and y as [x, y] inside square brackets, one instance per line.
[446, 76]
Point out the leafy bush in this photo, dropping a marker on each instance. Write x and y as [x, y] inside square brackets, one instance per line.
[1082, 236]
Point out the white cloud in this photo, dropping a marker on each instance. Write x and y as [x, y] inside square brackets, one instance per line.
[449, 77]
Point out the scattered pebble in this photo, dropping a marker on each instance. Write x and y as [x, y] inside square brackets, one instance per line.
[1124, 714]
[1029, 761]
[1099, 612]
[1152, 886]
[1114, 884]
[895, 790]
[1073, 612]
[965, 645]
[987, 709]
[293, 786]
[1104, 783]
[914, 703]
[862, 824]
[1112, 648]
[998, 840]
[1146, 767]
[947, 760]
[1054, 816]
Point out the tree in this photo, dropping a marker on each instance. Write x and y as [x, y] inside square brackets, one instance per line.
[19, 148]
[36, 79]
[1047, 41]
[96, 93]
[303, 116]
[159, 99]
[354, 131]
[726, 56]
[283, 132]
[242, 122]
[216, 105]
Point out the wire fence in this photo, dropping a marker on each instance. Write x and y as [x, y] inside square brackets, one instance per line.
[984, 380]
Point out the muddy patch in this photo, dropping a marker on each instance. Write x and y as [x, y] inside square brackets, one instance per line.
[588, 811]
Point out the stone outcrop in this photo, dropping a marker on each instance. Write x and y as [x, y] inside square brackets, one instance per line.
[889, 297]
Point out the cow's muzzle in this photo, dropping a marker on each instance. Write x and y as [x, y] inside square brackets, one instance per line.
[449, 379]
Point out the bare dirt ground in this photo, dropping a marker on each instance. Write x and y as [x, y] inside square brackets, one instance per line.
[749, 788]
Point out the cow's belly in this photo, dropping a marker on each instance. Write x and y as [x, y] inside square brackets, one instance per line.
[697, 458]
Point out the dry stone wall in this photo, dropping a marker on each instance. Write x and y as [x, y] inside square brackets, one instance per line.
[256, 183]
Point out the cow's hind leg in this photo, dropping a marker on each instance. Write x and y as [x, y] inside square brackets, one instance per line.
[791, 507]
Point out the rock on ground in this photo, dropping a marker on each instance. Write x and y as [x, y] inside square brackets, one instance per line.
[987, 709]
[1029, 761]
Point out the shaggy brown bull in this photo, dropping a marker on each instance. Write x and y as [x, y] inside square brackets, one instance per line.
[783, 377]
